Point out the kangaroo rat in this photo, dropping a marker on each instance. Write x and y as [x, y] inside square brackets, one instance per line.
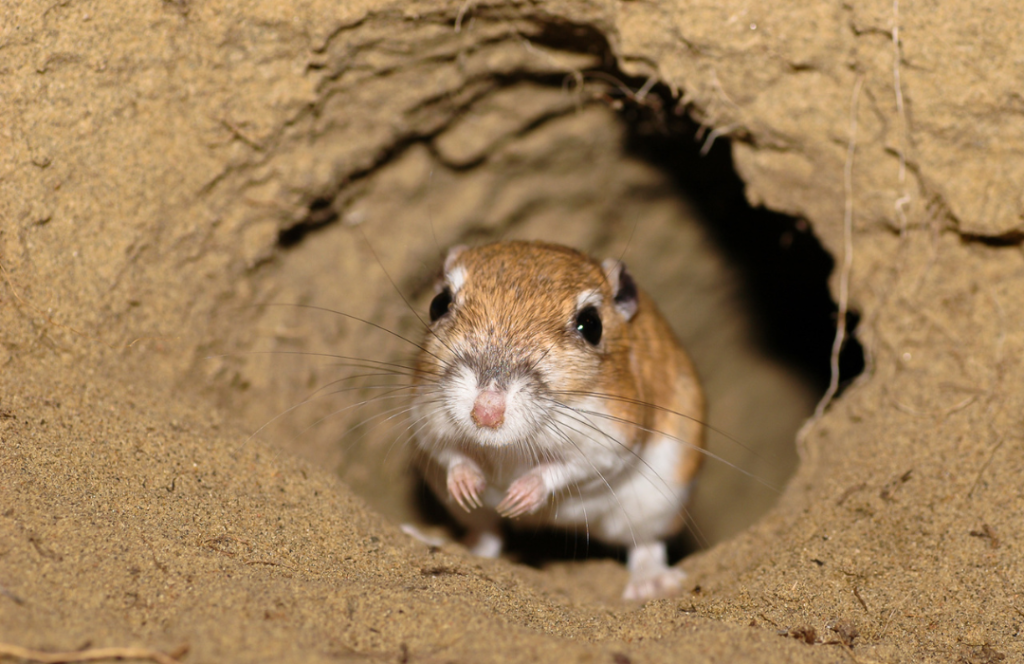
[551, 391]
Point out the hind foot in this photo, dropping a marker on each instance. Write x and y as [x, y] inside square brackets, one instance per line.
[650, 576]
[485, 543]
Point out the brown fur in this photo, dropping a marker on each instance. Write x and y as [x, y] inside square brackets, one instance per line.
[519, 302]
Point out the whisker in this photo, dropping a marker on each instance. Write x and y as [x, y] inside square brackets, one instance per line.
[586, 522]
[409, 433]
[664, 489]
[706, 453]
[334, 356]
[382, 414]
[683, 511]
[645, 404]
[383, 386]
[363, 320]
[568, 439]
[388, 415]
[664, 485]
[383, 376]
[426, 327]
[376, 398]
[315, 394]
[369, 363]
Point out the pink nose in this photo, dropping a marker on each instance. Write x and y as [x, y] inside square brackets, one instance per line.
[489, 409]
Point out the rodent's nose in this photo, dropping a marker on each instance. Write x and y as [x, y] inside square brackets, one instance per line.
[489, 409]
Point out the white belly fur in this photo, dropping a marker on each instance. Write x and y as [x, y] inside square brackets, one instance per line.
[637, 505]
[621, 496]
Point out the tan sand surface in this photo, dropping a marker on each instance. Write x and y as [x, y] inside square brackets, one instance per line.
[167, 168]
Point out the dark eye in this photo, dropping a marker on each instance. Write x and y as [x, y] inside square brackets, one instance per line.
[588, 323]
[440, 304]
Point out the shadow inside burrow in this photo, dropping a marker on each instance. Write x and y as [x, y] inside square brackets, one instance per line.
[784, 269]
[532, 545]
[538, 546]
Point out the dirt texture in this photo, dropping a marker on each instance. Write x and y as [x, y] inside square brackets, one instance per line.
[170, 169]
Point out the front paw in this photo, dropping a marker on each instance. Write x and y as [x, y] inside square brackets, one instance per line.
[465, 484]
[526, 495]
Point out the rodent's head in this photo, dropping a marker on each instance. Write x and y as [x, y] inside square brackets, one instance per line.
[514, 327]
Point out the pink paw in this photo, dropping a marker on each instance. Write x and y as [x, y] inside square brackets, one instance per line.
[527, 494]
[465, 484]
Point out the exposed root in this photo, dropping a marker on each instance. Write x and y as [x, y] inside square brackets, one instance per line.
[844, 274]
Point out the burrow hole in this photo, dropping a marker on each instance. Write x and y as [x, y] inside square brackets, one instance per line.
[597, 167]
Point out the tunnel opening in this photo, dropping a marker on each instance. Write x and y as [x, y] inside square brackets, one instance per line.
[611, 165]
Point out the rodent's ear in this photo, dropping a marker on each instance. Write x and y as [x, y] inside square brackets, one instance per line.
[626, 297]
[453, 255]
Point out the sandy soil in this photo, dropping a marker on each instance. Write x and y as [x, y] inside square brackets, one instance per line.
[165, 167]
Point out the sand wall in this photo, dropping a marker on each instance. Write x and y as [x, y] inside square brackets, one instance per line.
[164, 167]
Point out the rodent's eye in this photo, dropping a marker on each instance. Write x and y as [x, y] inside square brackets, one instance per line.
[440, 304]
[588, 323]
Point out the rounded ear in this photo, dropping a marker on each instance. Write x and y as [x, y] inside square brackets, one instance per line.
[453, 255]
[626, 296]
